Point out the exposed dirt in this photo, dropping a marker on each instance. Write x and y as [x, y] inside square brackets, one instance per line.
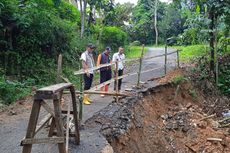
[167, 119]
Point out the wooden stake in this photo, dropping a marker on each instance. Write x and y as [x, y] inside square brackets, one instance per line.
[178, 59]
[140, 66]
[116, 80]
[67, 129]
[59, 69]
[165, 58]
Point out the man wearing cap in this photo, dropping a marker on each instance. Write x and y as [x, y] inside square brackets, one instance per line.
[105, 72]
[87, 64]
[119, 57]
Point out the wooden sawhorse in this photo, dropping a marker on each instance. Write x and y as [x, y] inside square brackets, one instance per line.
[53, 92]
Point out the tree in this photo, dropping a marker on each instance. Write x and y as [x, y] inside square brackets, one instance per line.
[214, 9]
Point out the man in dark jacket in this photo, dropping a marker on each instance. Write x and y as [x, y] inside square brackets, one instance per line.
[105, 72]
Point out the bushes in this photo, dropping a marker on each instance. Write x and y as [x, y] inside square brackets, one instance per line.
[11, 91]
[114, 37]
[33, 33]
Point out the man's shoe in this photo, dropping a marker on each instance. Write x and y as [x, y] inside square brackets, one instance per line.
[85, 100]
[88, 99]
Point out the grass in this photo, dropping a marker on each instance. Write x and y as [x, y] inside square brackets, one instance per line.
[190, 52]
[134, 51]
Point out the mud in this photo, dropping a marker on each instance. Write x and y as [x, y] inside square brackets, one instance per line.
[158, 121]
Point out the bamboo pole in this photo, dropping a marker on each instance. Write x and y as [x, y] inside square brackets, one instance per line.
[178, 59]
[165, 58]
[67, 129]
[81, 71]
[59, 69]
[81, 98]
[116, 80]
[140, 66]
[120, 77]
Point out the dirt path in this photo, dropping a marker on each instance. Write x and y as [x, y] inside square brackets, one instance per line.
[13, 126]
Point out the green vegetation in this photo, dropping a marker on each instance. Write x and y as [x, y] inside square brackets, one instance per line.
[134, 51]
[33, 33]
[178, 79]
[190, 52]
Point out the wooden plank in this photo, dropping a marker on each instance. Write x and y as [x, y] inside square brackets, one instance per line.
[47, 108]
[123, 76]
[67, 128]
[107, 93]
[59, 124]
[75, 115]
[40, 96]
[52, 127]
[43, 140]
[32, 125]
[59, 69]
[65, 112]
[43, 123]
[53, 88]
[81, 71]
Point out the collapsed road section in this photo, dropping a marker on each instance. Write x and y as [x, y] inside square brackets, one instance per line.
[167, 118]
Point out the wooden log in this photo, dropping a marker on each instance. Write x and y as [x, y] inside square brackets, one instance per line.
[59, 124]
[32, 125]
[208, 117]
[42, 140]
[42, 123]
[214, 139]
[47, 108]
[75, 115]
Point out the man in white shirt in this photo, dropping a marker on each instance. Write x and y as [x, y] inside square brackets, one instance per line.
[87, 64]
[120, 57]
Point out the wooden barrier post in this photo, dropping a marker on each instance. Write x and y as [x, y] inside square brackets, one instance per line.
[178, 59]
[116, 81]
[140, 66]
[81, 97]
[166, 58]
[59, 69]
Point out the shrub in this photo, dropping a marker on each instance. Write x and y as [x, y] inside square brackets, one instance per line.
[114, 37]
[11, 91]
[136, 43]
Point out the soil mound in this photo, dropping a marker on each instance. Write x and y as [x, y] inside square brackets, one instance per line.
[167, 118]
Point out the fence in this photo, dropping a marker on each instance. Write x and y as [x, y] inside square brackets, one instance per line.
[116, 78]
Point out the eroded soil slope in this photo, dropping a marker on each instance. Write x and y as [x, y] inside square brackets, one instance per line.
[167, 118]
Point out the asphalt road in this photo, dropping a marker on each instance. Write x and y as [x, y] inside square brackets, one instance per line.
[13, 131]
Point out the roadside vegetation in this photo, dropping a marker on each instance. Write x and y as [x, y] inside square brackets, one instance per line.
[33, 34]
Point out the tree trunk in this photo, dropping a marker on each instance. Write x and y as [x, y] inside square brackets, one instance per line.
[212, 40]
[76, 3]
[155, 22]
[82, 10]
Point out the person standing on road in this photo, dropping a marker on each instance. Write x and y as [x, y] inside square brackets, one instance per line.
[105, 72]
[119, 57]
[88, 63]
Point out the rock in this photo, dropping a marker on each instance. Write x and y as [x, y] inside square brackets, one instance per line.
[189, 105]
[12, 113]
[202, 125]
